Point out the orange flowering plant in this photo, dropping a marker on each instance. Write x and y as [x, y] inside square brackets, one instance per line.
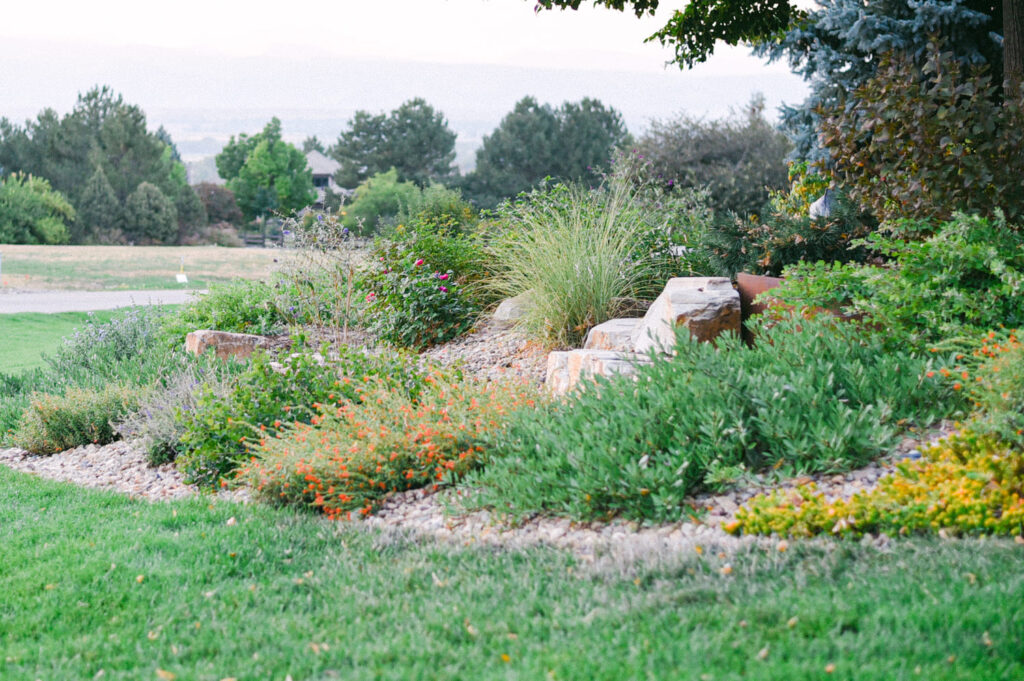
[353, 454]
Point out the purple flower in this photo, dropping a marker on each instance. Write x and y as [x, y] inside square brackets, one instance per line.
[442, 289]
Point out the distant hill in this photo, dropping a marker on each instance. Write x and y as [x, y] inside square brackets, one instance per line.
[203, 170]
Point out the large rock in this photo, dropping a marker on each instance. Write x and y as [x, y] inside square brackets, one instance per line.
[568, 369]
[224, 344]
[615, 334]
[706, 306]
[515, 308]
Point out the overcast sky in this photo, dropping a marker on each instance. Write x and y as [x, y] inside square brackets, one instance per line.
[209, 68]
[507, 32]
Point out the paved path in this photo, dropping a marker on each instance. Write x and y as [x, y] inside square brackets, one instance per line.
[14, 301]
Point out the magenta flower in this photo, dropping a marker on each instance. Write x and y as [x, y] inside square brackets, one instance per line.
[442, 277]
[370, 296]
[418, 262]
[442, 289]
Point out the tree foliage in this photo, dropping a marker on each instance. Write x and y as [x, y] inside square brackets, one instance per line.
[380, 197]
[695, 30]
[31, 212]
[926, 142]
[102, 131]
[100, 217]
[273, 177]
[739, 159]
[838, 46]
[219, 203]
[536, 141]
[414, 139]
[150, 217]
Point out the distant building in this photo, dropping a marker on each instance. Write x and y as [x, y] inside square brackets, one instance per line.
[323, 175]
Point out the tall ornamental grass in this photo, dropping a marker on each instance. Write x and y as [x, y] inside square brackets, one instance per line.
[574, 250]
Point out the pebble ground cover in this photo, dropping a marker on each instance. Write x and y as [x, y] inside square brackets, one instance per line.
[200, 590]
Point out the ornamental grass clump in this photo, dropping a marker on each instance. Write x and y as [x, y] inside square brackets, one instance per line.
[576, 251]
[812, 395]
[353, 454]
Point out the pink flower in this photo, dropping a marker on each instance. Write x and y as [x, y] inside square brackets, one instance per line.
[442, 289]
[418, 262]
[370, 296]
[442, 277]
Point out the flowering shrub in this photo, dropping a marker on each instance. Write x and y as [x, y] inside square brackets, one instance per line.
[968, 483]
[354, 453]
[414, 306]
[215, 434]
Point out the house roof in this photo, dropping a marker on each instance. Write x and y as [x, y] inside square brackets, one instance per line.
[320, 164]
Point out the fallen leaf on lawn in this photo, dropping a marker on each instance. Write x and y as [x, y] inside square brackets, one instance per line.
[792, 622]
[153, 635]
[166, 675]
[50, 587]
[829, 668]
[140, 578]
[505, 657]
[231, 521]
[763, 653]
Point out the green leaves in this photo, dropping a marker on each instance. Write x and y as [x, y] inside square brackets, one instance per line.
[945, 143]
[812, 395]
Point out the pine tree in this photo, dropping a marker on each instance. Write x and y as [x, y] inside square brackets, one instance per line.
[150, 217]
[100, 216]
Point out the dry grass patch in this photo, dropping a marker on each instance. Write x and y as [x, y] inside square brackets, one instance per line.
[98, 268]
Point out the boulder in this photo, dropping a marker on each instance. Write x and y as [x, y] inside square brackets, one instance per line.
[224, 344]
[706, 306]
[615, 334]
[515, 308]
[568, 369]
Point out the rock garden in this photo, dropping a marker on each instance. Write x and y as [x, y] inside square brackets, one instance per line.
[573, 373]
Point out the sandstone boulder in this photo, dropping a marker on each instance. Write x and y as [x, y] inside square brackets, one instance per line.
[706, 306]
[615, 334]
[224, 344]
[568, 369]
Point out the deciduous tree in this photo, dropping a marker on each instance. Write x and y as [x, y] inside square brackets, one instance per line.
[414, 139]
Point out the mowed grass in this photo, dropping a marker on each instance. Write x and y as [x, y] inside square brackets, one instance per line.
[98, 268]
[93, 582]
[28, 336]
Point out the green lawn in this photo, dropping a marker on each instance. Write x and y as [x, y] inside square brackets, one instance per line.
[27, 336]
[93, 582]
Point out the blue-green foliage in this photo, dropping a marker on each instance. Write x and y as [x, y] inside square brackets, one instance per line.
[811, 395]
[833, 48]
